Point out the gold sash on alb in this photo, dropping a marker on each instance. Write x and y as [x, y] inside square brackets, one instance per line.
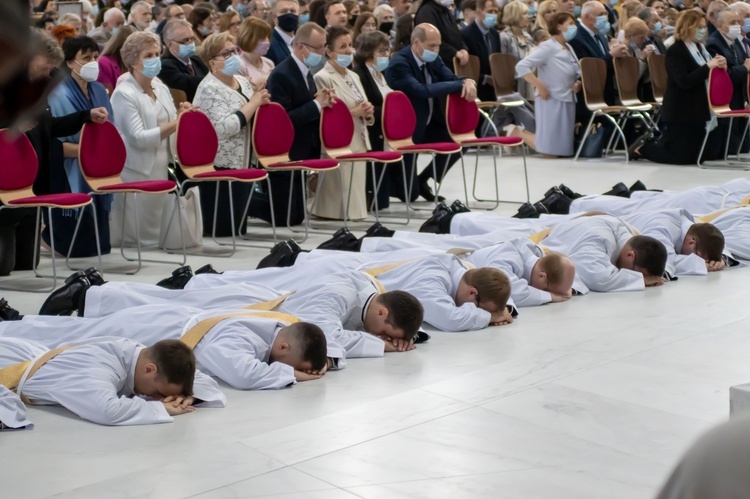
[11, 376]
[196, 333]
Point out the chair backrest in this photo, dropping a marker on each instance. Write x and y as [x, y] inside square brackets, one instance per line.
[469, 70]
[503, 69]
[273, 134]
[101, 153]
[657, 70]
[627, 75]
[720, 89]
[18, 167]
[336, 127]
[399, 119]
[462, 117]
[178, 96]
[196, 140]
[593, 81]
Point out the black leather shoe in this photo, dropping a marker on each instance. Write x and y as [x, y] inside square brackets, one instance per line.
[557, 203]
[422, 337]
[342, 240]
[619, 189]
[66, 299]
[458, 207]
[8, 313]
[278, 253]
[207, 269]
[569, 192]
[441, 216]
[94, 276]
[179, 279]
[540, 209]
[426, 192]
[526, 210]
[293, 244]
[638, 186]
[377, 230]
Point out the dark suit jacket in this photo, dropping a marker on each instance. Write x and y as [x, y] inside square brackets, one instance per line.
[474, 40]
[584, 45]
[405, 75]
[175, 74]
[685, 99]
[289, 88]
[432, 12]
[372, 92]
[656, 42]
[711, 28]
[278, 51]
[735, 57]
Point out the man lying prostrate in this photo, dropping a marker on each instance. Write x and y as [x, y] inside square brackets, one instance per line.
[454, 297]
[244, 348]
[734, 223]
[12, 411]
[607, 253]
[110, 381]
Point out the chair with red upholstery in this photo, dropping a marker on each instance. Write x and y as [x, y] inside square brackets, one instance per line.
[101, 156]
[273, 135]
[18, 170]
[462, 117]
[336, 134]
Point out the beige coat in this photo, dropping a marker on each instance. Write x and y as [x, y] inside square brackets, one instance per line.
[327, 202]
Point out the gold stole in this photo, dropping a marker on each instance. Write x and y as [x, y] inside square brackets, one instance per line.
[716, 214]
[11, 376]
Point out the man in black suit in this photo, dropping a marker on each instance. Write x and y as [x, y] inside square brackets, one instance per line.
[286, 19]
[181, 69]
[291, 84]
[482, 40]
[417, 71]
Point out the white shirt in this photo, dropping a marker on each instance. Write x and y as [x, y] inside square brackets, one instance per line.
[305, 70]
[287, 39]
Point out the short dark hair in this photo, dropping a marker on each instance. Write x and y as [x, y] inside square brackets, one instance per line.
[312, 343]
[198, 15]
[175, 362]
[41, 23]
[650, 254]
[330, 4]
[491, 284]
[709, 241]
[83, 44]
[557, 20]
[404, 312]
[368, 43]
[334, 32]
[470, 4]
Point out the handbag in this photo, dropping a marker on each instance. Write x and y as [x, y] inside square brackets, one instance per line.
[192, 222]
[594, 145]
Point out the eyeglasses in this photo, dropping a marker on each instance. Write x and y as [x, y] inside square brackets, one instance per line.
[185, 41]
[316, 49]
[383, 51]
[226, 54]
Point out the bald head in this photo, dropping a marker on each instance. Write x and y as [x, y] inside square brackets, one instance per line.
[425, 42]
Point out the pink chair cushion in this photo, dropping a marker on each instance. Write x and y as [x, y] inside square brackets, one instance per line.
[143, 185]
[399, 119]
[307, 164]
[241, 174]
[503, 141]
[438, 147]
[101, 150]
[336, 126]
[463, 115]
[54, 200]
[197, 142]
[273, 132]
[720, 88]
[372, 156]
[19, 162]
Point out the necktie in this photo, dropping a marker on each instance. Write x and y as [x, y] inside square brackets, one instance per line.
[488, 42]
[190, 69]
[601, 45]
[311, 83]
[427, 80]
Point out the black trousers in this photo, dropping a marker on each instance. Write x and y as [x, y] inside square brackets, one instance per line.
[17, 239]
[680, 144]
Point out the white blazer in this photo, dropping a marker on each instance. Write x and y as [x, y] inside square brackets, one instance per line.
[135, 118]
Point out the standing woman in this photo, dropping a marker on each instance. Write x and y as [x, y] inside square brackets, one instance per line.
[147, 120]
[255, 40]
[111, 66]
[516, 41]
[348, 88]
[556, 85]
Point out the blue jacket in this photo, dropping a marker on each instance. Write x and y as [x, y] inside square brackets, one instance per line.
[278, 51]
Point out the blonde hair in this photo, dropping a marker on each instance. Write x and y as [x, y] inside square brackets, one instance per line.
[48, 47]
[545, 7]
[687, 24]
[134, 45]
[635, 27]
[252, 31]
[629, 9]
[513, 12]
[214, 44]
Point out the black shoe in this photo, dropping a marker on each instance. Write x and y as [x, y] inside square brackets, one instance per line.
[569, 192]
[295, 247]
[426, 192]
[66, 299]
[557, 203]
[638, 186]
[552, 190]
[422, 337]
[8, 313]
[619, 189]
[527, 210]
[540, 209]
[94, 276]
[179, 279]
[458, 207]
[342, 240]
[377, 230]
[278, 253]
[207, 269]
[436, 224]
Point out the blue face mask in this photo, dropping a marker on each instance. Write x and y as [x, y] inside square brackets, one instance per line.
[532, 10]
[576, 11]
[381, 64]
[241, 9]
[700, 34]
[304, 18]
[115, 31]
[344, 60]
[746, 26]
[489, 20]
[428, 55]
[570, 33]
[232, 65]
[677, 3]
[612, 3]
[312, 59]
[187, 51]
[151, 67]
[657, 27]
[601, 24]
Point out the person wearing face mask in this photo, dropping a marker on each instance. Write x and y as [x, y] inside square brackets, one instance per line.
[181, 69]
[79, 92]
[238, 6]
[384, 15]
[113, 20]
[110, 62]
[146, 117]
[656, 28]
[516, 41]
[482, 40]
[439, 13]
[685, 114]
[743, 10]
[345, 82]
[201, 18]
[286, 13]
[352, 11]
[254, 40]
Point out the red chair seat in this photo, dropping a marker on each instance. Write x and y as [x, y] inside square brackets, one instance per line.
[735, 112]
[311, 164]
[372, 156]
[436, 147]
[143, 186]
[503, 141]
[241, 174]
[69, 199]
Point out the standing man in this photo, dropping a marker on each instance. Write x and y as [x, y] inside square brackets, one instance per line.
[286, 13]
[114, 19]
[181, 69]
[336, 15]
[482, 40]
[440, 15]
[417, 71]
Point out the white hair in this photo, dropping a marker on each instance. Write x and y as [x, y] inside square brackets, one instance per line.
[112, 13]
[382, 9]
[740, 7]
[590, 7]
[86, 5]
[139, 6]
[67, 18]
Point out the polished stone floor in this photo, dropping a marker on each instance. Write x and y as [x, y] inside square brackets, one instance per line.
[593, 398]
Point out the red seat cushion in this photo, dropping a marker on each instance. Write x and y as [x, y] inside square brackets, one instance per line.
[241, 174]
[144, 185]
[373, 156]
[439, 147]
[311, 164]
[70, 199]
[504, 141]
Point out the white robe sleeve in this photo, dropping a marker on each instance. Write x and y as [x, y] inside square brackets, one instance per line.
[12, 411]
[598, 274]
[524, 295]
[688, 265]
[207, 390]
[441, 311]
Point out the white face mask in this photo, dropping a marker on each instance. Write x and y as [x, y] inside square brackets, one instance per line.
[735, 32]
[89, 71]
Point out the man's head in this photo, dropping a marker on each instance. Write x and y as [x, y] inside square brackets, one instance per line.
[140, 15]
[727, 18]
[175, 12]
[164, 369]
[742, 9]
[47, 57]
[713, 9]
[309, 39]
[179, 38]
[45, 24]
[485, 287]
[335, 14]
[553, 273]
[114, 19]
[401, 7]
[259, 9]
[425, 41]
[286, 15]
[394, 315]
[301, 345]
[487, 8]
[705, 240]
[643, 254]
[566, 6]
[590, 11]
[158, 12]
[650, 17]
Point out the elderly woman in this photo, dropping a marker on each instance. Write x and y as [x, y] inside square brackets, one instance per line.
[229, 101]
[365, 23]
[230, 22]
[384, 15]
[556, 86]
[348, 88]
[516, 41]
[111, 66]
[636, 32]
[146, 117]
[255, 40]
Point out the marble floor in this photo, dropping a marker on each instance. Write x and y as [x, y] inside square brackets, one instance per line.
[597, 397]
